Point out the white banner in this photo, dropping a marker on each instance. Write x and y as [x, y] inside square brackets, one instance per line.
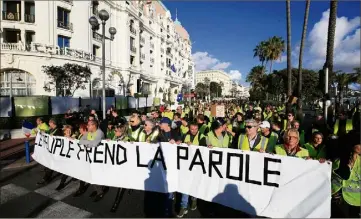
[256, 183]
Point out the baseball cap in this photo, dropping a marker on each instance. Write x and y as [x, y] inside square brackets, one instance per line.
[165, 120]
[265, 124]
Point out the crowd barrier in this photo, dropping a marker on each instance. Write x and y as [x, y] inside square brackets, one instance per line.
[14, 110]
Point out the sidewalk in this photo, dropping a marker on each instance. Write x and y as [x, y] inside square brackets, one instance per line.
[12, 147]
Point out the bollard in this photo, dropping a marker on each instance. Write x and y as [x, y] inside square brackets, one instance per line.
[27, 151]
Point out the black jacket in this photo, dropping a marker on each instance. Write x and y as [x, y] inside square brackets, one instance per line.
[173, 134]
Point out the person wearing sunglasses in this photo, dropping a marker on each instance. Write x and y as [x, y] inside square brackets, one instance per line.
[252, 141]
[291, 146]
[135, 128]
[149, 133]
[287, 123]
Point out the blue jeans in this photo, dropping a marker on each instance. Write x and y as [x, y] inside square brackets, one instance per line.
[184, 201]
[169, 203]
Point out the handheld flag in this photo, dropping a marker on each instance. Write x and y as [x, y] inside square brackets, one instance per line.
[27, 127]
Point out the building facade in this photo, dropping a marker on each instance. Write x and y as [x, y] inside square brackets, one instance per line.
[242, 91]
[217, 76]
[148, 45]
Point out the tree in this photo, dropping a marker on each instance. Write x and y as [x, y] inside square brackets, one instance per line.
[304, 31]
[289, 64]
[261, 52]
[215, 89]
[275, 48]
[221, 84]
[342, 80]
[331, 36]
[67, 78]
[255, 75]
[201, 90]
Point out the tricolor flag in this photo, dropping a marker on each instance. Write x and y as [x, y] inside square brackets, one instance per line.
[27, 127]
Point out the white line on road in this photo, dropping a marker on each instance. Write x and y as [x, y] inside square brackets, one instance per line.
[49, 190]
[11, 191]
[63, 210]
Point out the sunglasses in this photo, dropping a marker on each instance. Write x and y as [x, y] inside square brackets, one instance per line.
[289, 115]
[249, 126]
[131, 121]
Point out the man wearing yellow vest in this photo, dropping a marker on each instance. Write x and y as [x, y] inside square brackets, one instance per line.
[218, 137]
[270, 135]
[291, 146]
[252, 141]
[92, 139]
[202, 126]
[180, 111]
[267, 114]
[41, 126]
[192, 138]
[149, 133]
[135, 128]
[342, 125]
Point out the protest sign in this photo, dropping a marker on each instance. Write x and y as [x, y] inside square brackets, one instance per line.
[256, 183]
[218, 111]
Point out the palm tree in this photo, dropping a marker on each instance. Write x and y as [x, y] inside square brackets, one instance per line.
[260, 52]
[304, 31]
[255, 76]
[289, 64]
[275, 48]
[342, 80]
[331, 36]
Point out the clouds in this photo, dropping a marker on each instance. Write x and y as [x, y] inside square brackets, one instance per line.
[347, 44]
[205, 61]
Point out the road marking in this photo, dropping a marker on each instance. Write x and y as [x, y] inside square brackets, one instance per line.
[11, 191]
[62, 210]
[49, 190]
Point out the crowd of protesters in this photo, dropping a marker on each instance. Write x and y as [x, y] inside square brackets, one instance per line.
[263, 128]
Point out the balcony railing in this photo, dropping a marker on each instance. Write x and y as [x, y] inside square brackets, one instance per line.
[30, 18]
[97, 36]
[133, 49]
[133, 31]
[11, 16]
[68, 1]
[142, 56]
[67, 26]
[152, 45]
[142, 40]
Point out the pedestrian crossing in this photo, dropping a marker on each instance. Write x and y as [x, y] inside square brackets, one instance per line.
[55, 208]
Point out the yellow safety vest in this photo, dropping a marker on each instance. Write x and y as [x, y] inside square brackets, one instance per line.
[348, 126]
[195, 139]
[143, 137]
[168, 115]
[266, 115]
[272, 141]
[243, 143]
[184, 129]
[351, 190]
[79, 137]
[280, 150]
[215, 142]
[134, 135]
[42, 127]
[203, 128]
[91, 136]
[314, 153]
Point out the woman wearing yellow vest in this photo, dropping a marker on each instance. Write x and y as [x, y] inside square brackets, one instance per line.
[291, 147]
[315, 148]
[149, 133]
[218, 137]
[346, 184]
[120, 134]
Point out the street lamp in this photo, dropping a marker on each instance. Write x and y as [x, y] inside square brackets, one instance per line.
[104, 16]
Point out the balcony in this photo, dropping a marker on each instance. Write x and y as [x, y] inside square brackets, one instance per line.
[132, 30]
[30, 18]
[67, 26]
[142, 40]
[151, 60]
[68, 1]
[142, 56]
[170, 55]
[11, 16]
[133, 49]
[97, 36]
[152, 45]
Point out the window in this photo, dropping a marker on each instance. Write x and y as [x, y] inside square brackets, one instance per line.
[23, 83]
[63, 41]
[30, 37]
[63, 18]
[96, 50]
[131, 60]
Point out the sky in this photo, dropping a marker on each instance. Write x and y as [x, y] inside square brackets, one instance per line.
[224, 33]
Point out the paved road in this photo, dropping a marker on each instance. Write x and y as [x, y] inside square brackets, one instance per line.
[21, 197]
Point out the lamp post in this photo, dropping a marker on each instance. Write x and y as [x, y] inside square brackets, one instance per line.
[104, 16]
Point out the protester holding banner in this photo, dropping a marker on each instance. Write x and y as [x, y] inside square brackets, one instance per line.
[316, 148]
[252, 141]
[92, 139]
[272, 137]
[296, 125]
[41, 126]
[149, 133]
[82, 186]
[291, 145]
[53, 131]
[218, 137]
[135, 128]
